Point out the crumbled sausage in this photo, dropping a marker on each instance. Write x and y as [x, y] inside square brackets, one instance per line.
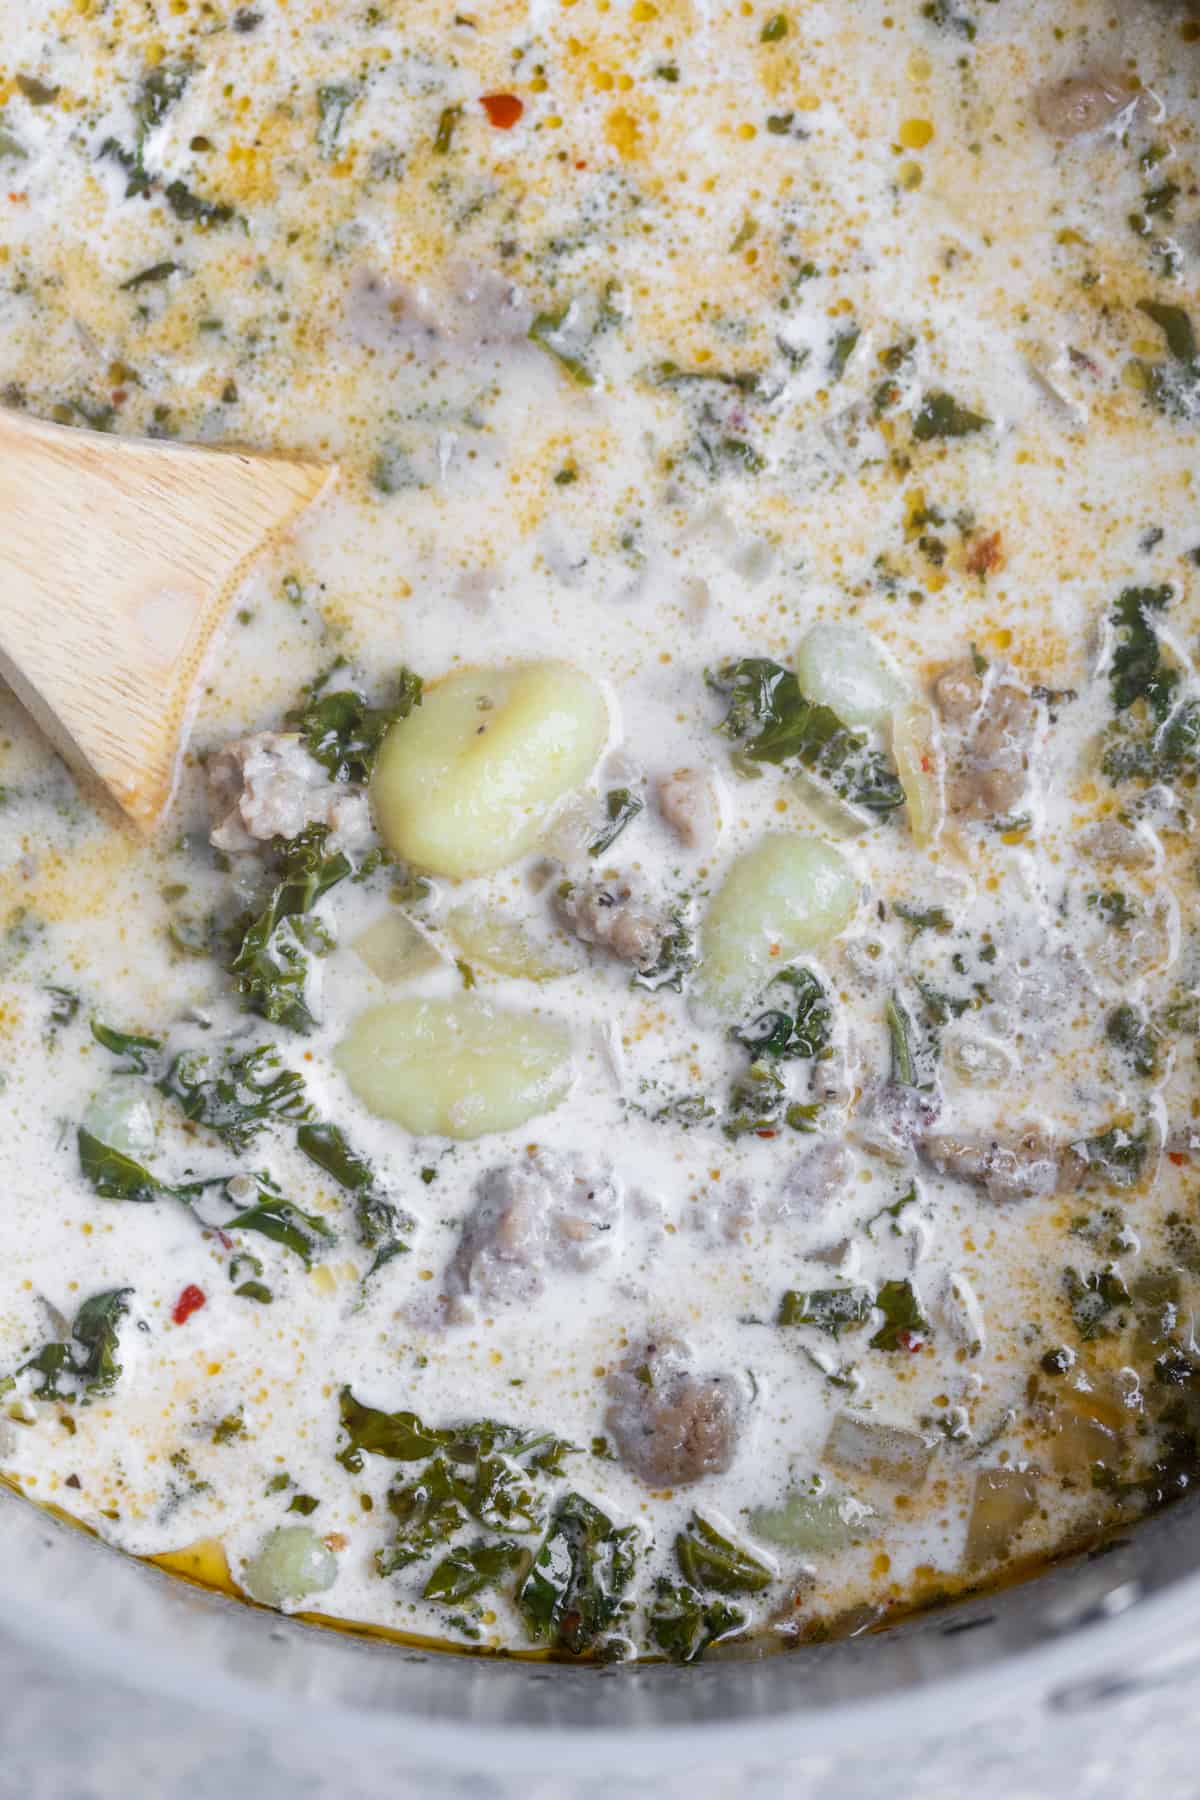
[1026, 1167]
[609, 915]
[688, 802]
[1081, 104]
[818, 1174]
[1111, 842]
[671, 1426]
[892, 1116]
[268, 786]
[542, 1213]
[474, 310]
[994, 723]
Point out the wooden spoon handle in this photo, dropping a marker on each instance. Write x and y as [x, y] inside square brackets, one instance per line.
[117, 561]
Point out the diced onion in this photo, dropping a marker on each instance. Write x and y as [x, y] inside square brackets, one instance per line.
[1004, 1500]
[394, 949]
[866, 1447]
[915, 748]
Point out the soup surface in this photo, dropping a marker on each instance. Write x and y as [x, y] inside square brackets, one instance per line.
[644, 1095]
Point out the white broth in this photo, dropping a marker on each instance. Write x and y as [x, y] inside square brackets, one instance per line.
[645, 1094]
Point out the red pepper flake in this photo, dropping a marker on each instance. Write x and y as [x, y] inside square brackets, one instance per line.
[1178, 1157]
[190, 1301]
[502, 109]
[909, 1340]
[927, 764]
[985, 554]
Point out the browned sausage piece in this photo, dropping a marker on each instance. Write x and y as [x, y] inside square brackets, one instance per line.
[1026, 1167]
[671, 1426]
[544, 1211]
[994, 725]
[608, 915]
[1081, 104]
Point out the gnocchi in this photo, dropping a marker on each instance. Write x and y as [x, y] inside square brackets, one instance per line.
[459, 1068]
[468, 781]
[507, 946]
[842, 667]
[789, 894]
[290, 1563]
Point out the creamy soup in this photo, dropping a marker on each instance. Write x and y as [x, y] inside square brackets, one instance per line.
[643, 1096]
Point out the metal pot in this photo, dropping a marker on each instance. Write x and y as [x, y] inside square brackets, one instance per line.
[1087, 1630]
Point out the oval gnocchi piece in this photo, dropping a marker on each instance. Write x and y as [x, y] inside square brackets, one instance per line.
[487, 936]
[790, 894]
[466, 783]
[455, 1068]
[842, 667]
[291, 1562]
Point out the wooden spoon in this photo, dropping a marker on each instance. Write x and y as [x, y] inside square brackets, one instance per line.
[118, 559]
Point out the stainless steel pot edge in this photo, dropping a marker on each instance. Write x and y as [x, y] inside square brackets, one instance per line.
[1074, 1637]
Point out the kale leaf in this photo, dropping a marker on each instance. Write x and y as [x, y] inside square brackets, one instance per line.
[1137, 671]
[115, 1176]
[1093, 1299]
[575, 1590]
[470, 1568]
[799, 1024]
[272, 958]
[709, 1559]
[402, 1437]
[235, 1094]
[772, 721]
[344, 733]
[831, 1310]
[676, 958]
[621, 808]
[902, 1316]
[1116, 1155]
[1133, 1033]
[139, 1050]
[1174, 386]
[87, 1362]
[940, 415]
[305, 1234]
[683, 1624]
[381, 1225]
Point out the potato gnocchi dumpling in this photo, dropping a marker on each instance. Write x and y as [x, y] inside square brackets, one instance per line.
[468, 781]
[791, 893]
[485, 935]
[458, 1067]
[841, 666]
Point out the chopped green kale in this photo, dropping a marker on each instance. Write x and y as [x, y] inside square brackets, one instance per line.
[903, 1320]
[709, 1560]
[343, 733]
[771, 721]
[575, 1591]
[797, 1022]
[621, 808]
[831, 1310]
